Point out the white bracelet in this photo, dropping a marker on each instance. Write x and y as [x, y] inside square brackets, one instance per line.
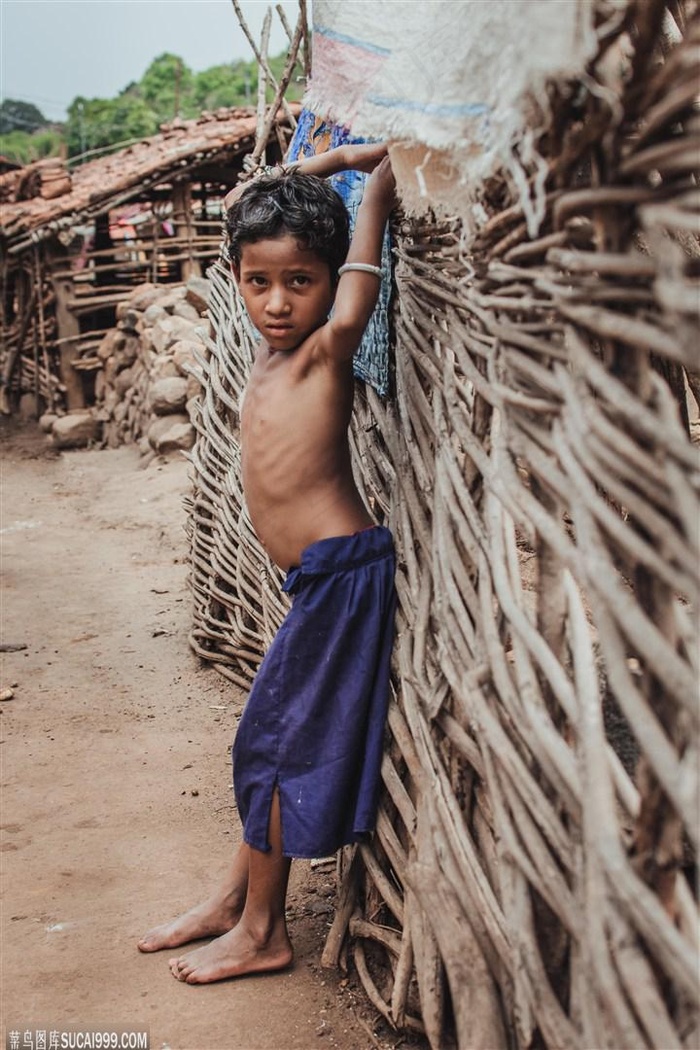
[361, 268]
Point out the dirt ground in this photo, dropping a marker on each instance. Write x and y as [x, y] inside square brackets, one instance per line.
[117, 811]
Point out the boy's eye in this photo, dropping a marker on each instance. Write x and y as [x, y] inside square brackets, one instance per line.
[300, 279]
[257, 281]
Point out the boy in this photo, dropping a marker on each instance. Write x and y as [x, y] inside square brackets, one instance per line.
[308, 748]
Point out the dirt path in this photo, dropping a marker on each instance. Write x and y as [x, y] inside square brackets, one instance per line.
[116, 806]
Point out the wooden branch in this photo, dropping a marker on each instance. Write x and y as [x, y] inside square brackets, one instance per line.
[261, 59]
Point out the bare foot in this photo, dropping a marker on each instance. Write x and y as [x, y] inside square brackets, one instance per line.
[210, 919]
[234, 954]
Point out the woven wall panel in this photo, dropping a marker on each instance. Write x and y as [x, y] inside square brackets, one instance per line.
[531, 879]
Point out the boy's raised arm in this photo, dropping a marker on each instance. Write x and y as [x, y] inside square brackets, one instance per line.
[344, 158]
[358, 289]
[362, 158]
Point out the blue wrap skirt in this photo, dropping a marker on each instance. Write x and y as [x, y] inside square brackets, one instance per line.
[313, 725]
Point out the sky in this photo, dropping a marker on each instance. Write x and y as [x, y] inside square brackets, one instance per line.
[53, 50]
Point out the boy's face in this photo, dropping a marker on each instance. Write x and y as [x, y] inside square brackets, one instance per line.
[286, 288]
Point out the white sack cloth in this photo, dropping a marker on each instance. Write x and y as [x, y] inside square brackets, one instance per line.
[453, 79]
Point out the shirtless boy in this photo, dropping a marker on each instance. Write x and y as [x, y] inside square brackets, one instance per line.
[308, 748]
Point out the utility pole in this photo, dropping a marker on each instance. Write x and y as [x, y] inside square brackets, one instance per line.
[178, 78]
[81, 127]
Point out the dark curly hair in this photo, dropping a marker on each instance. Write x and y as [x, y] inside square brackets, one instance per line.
[304, 206]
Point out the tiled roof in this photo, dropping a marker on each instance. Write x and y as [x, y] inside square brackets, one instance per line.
[106, 182]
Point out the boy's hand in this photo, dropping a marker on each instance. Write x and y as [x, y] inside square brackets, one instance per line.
[365, 157]
[382, 185]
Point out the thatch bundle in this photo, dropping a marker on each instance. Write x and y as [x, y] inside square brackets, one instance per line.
[533, 867]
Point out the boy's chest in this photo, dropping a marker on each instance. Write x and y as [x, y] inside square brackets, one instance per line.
[284, 396]
[269, 401]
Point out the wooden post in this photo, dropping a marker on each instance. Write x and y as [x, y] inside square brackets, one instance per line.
[182, 220]
[67, 325]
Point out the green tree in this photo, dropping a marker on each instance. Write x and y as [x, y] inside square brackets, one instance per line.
[223, 85]
[16, 115]
[167, 86]
[98, 122]
[23, 148]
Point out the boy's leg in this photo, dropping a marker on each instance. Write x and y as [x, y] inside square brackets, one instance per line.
[214, 916]
[259, 942]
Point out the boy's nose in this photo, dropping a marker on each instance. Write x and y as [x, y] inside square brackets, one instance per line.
[277, 301]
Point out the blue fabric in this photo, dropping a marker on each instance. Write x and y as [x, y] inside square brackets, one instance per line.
[313, 725]
[311, 136]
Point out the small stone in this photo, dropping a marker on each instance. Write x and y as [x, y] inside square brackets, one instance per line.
[144, 295]
[47, 421]
[164, 368]
[169, 330]
[186, 310]
[197, 293]
[183, 354]
[171, 433]
[123, 381]
[6, 694]
[154, 313]
[194, 792]
[168, 395]
[194, 388]
[75, 430]
[130, 319]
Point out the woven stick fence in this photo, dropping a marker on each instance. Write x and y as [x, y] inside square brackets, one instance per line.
[531, 881]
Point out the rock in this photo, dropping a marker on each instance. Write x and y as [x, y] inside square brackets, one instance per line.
[172, 295]
[194, 388]
[128, 353]
[75, 430]
[163, 368]
[123, 381]
[119, 414]
[146, 338]
[110, 370]
[6, 694]
[197, 293]
[184, 355]
[186, 310]
[111, 342]
[145, 295]
[171, 433]
[100, 385]
[168, 331]
[47, 421]
[130, 321]
[168, 395]
[154, 313]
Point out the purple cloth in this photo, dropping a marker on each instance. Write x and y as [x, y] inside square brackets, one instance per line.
[313, 725]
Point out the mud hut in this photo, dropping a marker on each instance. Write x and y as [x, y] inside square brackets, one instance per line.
[76, 241]
[533, 877]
